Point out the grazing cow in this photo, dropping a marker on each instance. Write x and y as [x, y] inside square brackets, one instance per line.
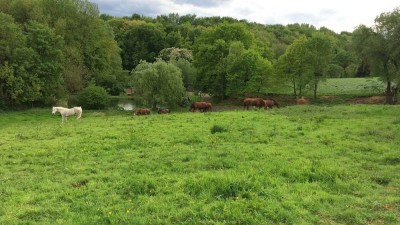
[258, 102]
[142, 111]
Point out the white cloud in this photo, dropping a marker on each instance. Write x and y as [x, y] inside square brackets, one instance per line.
[339, 15]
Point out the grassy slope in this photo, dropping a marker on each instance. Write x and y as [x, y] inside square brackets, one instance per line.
[295, 165]
[343, 86]
[351, 86]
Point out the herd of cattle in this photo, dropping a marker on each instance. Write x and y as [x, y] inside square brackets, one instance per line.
[207, 106]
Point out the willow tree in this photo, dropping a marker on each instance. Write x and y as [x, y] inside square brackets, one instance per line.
[158, 83]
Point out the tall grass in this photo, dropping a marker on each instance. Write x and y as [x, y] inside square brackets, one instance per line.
[294, 165]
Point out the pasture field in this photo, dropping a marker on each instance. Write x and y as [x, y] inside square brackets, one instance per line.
[352, 86]
[343, 86]
[293, 165]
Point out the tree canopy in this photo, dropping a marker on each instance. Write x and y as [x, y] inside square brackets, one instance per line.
[52, 48]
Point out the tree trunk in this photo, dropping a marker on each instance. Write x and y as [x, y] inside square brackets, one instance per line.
[154, 105]
[395, 97]
[389, 94]
[300, 91]
[315, 89]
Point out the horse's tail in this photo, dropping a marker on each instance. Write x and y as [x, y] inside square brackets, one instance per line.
[78, 111]
[79, 114]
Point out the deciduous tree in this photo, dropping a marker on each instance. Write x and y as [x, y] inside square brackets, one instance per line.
[142, 42]
[319, 55]
[379, 46]
[210, 56]
[293, 67]
[247, 71]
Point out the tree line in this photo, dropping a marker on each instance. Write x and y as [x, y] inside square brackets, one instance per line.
[56, 48]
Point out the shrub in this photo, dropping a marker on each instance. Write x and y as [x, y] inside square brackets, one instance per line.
[217, 128]
[73, 100]
[94, 97]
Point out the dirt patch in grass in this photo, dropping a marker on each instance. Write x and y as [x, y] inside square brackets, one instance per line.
[286, 100]
[368, 100]
[328, 97]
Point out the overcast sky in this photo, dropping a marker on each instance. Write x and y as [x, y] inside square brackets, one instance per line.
[337, 15]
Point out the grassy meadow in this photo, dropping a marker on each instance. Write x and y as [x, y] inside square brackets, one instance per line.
[342, 86]
[293, 165]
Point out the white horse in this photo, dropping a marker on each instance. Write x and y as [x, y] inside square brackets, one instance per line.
[65, 112]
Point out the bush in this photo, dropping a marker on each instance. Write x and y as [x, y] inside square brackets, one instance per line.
[217, 129]
[73, 100]
[94, 97]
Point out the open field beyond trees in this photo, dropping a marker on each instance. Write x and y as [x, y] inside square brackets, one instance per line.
[293, 165]
[342, 86]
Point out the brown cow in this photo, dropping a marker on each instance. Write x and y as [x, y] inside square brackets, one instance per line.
[258, 102]
[142, 111]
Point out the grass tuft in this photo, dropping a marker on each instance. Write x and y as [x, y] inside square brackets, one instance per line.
[218, 129]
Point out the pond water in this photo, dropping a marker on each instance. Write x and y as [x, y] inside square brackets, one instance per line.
[125, 104]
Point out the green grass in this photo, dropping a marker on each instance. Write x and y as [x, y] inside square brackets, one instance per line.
[352, 86]
[294, 165]
[343, 86]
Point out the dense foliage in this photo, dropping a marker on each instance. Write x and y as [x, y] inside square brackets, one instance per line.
[52, 48]
[55, 48]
